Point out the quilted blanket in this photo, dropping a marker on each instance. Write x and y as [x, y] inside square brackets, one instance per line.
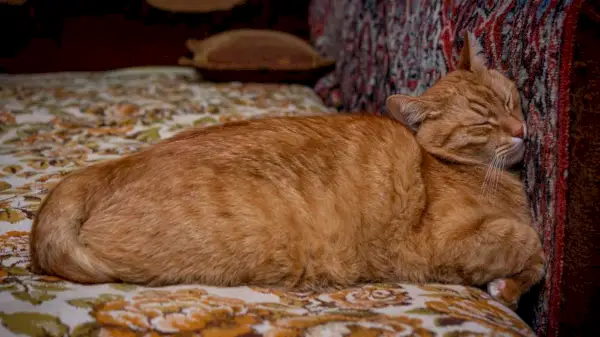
[52, 124]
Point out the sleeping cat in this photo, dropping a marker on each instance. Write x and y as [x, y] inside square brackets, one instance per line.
[312, 202]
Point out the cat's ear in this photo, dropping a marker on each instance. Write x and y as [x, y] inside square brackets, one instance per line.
[470, 56]
[411, 111]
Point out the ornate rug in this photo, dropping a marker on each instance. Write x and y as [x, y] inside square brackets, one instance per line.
[393, 46]
[52, 124]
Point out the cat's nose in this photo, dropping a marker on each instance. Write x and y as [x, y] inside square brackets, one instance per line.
[520, 131]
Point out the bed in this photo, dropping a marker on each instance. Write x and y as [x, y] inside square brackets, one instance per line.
[51, 124]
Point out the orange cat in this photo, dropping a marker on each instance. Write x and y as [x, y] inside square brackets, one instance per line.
[312, 202]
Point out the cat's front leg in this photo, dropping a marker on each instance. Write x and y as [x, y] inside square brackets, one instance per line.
[524, 263]
[504, 254]
[509, 290]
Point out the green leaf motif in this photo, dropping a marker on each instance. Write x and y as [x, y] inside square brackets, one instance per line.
[17, 271]
[22, 134]
[123, 286]
[92, 145]
[8, 287]
[32, 198]
[149, 135]
[109, 297]
[89, 329]
[11, 169]
[11, 215]
[4, 185]
[34, 324]
[11, 141]
[56, 111]
[90, 302]
[175, 127]
[38, 164]
[5, 127]
[82, 303]
[34, 297]
[205, 121]
[49, 287]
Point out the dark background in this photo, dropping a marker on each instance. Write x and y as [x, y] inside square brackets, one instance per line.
[72, 35]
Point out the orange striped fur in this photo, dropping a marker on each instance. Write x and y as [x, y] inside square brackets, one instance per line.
[312, 202]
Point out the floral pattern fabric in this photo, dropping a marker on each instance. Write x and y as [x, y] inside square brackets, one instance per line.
[52, 124]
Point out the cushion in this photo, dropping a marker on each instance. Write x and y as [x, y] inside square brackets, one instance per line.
[194, 6]
[255, 55]
[52, 124]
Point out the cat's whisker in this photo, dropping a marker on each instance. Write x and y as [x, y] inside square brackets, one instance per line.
[503, 151]
[502, 161]
[488, 176]
[494, 177]
[490, 183]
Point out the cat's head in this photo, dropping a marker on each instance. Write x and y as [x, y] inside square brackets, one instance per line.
[472, 114]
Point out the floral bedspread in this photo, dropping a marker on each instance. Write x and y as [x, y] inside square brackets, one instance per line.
[51, 124]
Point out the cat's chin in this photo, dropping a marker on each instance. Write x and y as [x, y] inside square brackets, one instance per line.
[513, 155]
[514, 162]
[516, 153]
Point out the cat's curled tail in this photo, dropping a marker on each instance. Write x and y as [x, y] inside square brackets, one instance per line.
[55, 246]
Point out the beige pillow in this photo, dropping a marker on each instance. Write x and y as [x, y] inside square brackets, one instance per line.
[194, 6]
[257, 55]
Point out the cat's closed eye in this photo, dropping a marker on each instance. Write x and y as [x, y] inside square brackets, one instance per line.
[509, 103]
[480, 129]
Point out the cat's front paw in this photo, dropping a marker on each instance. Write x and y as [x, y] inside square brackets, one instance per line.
[504, 291]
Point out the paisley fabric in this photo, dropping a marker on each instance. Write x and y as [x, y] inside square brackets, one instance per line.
[394, 46]
[52, 124]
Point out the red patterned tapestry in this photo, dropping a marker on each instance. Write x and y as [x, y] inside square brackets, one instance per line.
[393, 46]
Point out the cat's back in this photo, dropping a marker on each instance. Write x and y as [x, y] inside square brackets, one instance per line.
[309, 191]
[286, 133]
[288, 153]
[287, 145]
[266, 195]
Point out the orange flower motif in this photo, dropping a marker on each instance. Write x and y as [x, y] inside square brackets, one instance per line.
[483, 311]
[14, 244]
[370, 297]
[440, 290]
[126, 109]
[7, 118]
[116, 332]
[290, 298]
[110, 130]
[184, 310]
[348, 325]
